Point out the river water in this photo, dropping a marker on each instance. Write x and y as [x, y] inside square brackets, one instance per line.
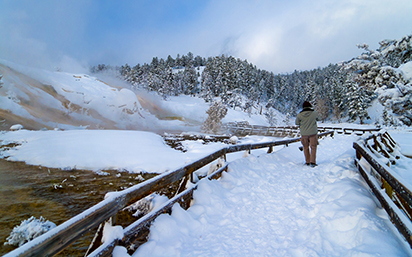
[56, 195]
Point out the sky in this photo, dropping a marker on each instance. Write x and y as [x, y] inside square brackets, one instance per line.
[275, 35]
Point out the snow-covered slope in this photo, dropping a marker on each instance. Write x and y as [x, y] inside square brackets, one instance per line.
[40, 99]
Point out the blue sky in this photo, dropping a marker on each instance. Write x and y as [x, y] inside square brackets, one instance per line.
[275, 35]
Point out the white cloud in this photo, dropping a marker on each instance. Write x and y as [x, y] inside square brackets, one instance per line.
[41, 34]
[279, 36]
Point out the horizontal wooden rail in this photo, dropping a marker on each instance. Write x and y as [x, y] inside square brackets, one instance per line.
[135, 230]
[385, 173]
[397, 200]
[65, 234]
[243, 129]
[397, 217]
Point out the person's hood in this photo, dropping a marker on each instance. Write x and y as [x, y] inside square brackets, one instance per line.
[307, 111]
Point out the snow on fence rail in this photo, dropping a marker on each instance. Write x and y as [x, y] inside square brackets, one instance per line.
[374, 161]
[243, 129]
[59, 238]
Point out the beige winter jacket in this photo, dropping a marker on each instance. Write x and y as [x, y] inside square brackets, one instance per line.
[306, 120]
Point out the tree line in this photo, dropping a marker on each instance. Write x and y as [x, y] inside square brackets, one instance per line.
[338, 91]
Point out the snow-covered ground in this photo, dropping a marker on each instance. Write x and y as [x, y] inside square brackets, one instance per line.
[403, 139]
[134, 151]
[266, 205]
[403, 166]
[273, 205]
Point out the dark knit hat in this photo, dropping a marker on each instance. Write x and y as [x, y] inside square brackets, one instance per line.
[306, 104]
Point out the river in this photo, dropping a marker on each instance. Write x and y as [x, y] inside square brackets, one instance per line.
[54, 194]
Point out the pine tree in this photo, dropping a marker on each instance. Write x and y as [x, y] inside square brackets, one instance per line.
[270, 115]
[207, 83]
[216, 113]
[178, 62]
[170, 62]
[189, 80]
[322, 109]
[311, 94]
[234, 99]
[168, 88]
[357, 102]
[387, 118]
[337, 96]
[217, 88]
[199, 61]
[287, 119]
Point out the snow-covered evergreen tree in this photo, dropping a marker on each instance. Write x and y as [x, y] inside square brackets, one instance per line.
[170, 62]
[379, 71]
[287, 119]
[216, 112]
[168, 87]
[207, 83]
[189, 80]
[270, 115]
[234, 99]
[357, 102]
[322, 109]
[236, 81]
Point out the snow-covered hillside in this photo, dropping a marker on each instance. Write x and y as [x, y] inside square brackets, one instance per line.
[40, 99]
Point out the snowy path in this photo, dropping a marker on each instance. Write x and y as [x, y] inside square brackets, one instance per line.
[273, 205]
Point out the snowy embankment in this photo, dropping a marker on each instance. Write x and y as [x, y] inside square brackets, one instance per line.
[134, 151]
[97, 150]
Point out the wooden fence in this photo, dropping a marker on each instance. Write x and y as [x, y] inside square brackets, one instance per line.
[243, 129]
[374, 156]
[68, 232]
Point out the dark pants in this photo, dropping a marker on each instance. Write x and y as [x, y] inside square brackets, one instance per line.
[312, 142]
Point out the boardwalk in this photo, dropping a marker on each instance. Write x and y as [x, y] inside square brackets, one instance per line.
[273, 205]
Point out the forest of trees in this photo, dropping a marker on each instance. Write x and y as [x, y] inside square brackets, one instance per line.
[338, 91]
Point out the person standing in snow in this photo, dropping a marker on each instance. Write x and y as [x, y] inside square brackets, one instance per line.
[306, 120]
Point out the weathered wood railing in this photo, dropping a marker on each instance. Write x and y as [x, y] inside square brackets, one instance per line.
[373, 161]
[68, 232]
[347, 131]
[243, 129]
